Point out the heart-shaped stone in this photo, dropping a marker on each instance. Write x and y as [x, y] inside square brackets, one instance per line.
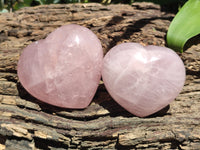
[143, 80]
[64, 69]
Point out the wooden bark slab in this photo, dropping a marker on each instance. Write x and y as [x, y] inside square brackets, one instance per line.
[26, 123]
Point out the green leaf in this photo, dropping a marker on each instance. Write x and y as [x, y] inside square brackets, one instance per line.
[56, 1]
[162, 2]
[26, 3]
[185, 25]
[43, 2]
[1, 4]
[4, 11]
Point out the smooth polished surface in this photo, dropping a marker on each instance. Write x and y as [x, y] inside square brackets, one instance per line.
[64, 69]
[143, 80]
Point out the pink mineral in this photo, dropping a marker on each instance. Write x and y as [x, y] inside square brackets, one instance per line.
[143, 80]
[64, 69]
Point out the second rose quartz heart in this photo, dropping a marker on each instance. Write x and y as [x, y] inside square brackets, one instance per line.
[64, 69]
[143, 80]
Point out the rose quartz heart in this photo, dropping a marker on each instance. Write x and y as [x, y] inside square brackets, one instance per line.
[64, 69]
[143, 80]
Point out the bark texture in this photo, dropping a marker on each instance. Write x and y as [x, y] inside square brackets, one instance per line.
[28, 124]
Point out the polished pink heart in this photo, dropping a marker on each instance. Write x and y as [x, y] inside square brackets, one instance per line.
[64, 69]
[141, 79]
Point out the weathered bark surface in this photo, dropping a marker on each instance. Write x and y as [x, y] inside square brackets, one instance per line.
[26, 123]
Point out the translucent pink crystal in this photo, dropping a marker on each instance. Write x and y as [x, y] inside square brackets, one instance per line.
[64, 69]
[143, 80]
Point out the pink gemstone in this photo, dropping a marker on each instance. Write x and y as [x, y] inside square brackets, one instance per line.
[143, 80]
[64, 69]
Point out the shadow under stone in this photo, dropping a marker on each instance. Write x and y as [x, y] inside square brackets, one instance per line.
[101, 98]
[116, 110]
